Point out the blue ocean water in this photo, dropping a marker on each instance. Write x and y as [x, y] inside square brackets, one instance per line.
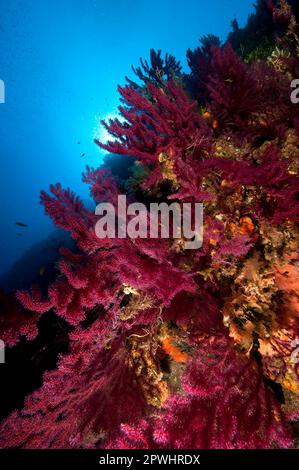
[61, 61]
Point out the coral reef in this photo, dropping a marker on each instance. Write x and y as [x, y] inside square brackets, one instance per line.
[171, 347]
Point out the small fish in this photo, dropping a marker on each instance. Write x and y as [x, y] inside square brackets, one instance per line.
[42, 270]
[215, 123]
[207, 115]
[78, 143]
[83, 155]
[212, 121]
[21, 224]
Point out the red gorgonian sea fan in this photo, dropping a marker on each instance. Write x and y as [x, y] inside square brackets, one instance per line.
[169, 347]
[217, 379]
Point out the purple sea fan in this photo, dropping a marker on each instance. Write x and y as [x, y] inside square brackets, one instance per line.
[158, 71]
[199, 62]
[280, 200]
[232, 88]
[79, 404]
[166, 123]
[225, 404]
[275, 112]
